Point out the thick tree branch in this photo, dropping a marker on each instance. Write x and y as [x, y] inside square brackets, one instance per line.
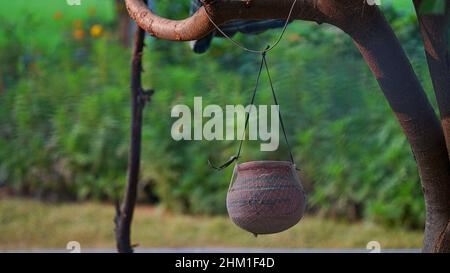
[222, 11]
[124, 214]
[434, 29]
[387, 60]
[192, 28]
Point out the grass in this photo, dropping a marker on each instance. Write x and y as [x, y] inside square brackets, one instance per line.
[27, 224]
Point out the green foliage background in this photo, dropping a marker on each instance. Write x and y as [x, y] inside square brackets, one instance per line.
[64, 114]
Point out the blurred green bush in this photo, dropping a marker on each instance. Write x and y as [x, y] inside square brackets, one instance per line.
[65, 120]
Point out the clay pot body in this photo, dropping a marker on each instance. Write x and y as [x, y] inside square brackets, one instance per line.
[266, 196]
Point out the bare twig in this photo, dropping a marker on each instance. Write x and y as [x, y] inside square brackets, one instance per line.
[124, 213]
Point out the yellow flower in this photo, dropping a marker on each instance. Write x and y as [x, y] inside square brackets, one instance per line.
[78, 34]
[57, 16]
[96, 30]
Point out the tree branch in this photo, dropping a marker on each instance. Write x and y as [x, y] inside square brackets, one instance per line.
[435, 39]
[434, 28]
[124, 214]
[221, 11]
[393, 71]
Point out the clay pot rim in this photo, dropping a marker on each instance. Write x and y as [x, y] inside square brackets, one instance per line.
[266, 164]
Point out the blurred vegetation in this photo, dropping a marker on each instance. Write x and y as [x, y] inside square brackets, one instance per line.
[65, 117]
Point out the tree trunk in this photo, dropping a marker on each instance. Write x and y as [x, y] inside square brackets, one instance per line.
[388, 62]
[124, 214]
[434, 29]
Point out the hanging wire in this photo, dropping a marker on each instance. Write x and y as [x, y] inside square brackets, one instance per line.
[247, 117]
[279, 111]
[263, 64]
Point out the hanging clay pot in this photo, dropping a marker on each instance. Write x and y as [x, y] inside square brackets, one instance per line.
[265, 196]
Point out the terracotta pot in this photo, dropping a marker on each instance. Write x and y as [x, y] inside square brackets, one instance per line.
[265, 196]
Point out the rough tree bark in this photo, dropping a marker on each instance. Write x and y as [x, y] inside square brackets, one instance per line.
[139, 97]
[382, 51]
[434, 30]
[198, 25]
[388, 62]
